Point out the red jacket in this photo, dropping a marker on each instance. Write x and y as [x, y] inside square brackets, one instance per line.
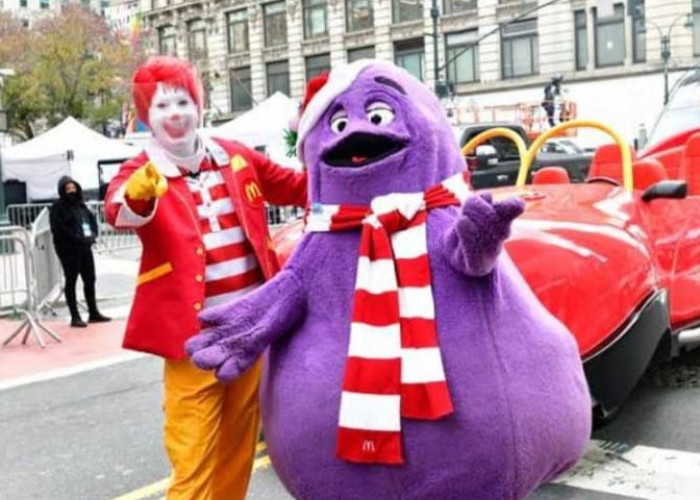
[170, 287]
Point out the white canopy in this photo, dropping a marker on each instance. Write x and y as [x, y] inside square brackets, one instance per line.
[70, 148]
[264, 125]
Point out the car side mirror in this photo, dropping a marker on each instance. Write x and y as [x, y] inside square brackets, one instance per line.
[486, 156]
[666, 189]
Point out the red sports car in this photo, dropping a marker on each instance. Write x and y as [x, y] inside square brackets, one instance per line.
[617, 258]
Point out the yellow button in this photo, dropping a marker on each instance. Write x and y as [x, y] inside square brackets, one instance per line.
[199, 278]
[198, 306]
[200, 251]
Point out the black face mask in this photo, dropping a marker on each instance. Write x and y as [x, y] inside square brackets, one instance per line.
[73, 198]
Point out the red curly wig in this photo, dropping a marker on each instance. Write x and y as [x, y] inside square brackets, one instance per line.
[167, 70]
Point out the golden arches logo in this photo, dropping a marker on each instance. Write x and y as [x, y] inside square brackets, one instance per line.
[238, 163]
[252, 191]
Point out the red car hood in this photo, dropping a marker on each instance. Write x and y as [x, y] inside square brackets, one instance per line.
[582, 252]
[581, 249]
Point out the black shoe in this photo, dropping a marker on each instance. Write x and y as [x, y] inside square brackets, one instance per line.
[98, 318]
[78, 323]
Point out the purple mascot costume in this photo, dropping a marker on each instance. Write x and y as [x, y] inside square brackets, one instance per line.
[408, 358]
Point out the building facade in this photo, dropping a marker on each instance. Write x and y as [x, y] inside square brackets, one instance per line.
[28, 11]
[490, 51]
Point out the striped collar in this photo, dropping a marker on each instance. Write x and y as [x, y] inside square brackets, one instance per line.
[157, 154]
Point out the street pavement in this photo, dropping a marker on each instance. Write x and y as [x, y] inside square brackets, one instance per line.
[82, 420]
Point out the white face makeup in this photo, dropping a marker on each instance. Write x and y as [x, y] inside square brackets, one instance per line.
[173, 117]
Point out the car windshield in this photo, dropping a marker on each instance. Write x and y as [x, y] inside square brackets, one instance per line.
[505, 148]
[571, 146]
[682, 112]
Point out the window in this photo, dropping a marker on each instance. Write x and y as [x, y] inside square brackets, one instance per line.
[696, 27]
[197, 39]
[315, 18]
[610, 38]
[237, 22]
[167, 41]
[409, 55]
[520, 49]
[407, 10]
[278, 78]
[275, 24]
[241, 89]
[462, 65]
[361, 53]
[358, 14]
[44, 4]
[581, 34]
[315, 65]
[22, 3]
[639, 39]
[454, 6]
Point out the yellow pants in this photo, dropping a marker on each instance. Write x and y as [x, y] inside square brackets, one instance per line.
[210, 432]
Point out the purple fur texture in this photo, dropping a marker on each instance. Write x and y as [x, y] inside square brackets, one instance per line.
[522, 408]
[474, 242]
[236, 334]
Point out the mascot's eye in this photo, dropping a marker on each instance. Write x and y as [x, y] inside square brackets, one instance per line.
[380, 113]
[339, 122]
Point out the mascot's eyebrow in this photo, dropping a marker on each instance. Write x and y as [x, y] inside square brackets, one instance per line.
[389, 83]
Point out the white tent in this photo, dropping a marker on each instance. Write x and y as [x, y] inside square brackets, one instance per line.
[69, 148]
[264, 125]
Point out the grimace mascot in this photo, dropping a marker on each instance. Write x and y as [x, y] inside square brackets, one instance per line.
[408, 358]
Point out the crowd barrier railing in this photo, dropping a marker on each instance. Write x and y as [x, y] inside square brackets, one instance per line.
[18, 285]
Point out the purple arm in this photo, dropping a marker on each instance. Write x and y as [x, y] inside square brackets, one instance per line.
[474, 242]
[237, 333]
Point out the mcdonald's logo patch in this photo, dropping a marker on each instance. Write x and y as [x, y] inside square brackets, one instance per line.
[252, 192]
[238, 163]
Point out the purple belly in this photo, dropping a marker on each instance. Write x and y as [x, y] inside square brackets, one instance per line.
[522, 410]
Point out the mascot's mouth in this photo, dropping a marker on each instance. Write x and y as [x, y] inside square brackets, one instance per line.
[360, 149]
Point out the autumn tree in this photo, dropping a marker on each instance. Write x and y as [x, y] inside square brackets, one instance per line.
[21, 94]
[70, 64]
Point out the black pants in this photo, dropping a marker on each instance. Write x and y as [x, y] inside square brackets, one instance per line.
[549, 109]
[78, 261]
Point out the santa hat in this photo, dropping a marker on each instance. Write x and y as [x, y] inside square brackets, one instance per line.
[322, 90]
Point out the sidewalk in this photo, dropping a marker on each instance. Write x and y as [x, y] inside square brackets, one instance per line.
[81, 347]
[96, 343]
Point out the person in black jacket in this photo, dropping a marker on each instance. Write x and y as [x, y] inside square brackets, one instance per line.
[74, 229]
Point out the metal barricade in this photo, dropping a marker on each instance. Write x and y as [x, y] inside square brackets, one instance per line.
[18, 285]
[23, 215]
[14, 285]
[48, 274]
[115, 240]
[111, 239]
[277, 216]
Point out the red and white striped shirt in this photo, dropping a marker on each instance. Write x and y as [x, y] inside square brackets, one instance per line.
[231, 266]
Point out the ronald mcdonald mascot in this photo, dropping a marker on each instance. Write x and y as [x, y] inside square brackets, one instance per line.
[198, 207]
[408, 359]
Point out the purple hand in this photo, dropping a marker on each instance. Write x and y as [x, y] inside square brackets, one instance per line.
[473, 244]
[236, 334]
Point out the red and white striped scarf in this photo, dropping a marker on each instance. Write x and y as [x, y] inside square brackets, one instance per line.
[394, 367]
